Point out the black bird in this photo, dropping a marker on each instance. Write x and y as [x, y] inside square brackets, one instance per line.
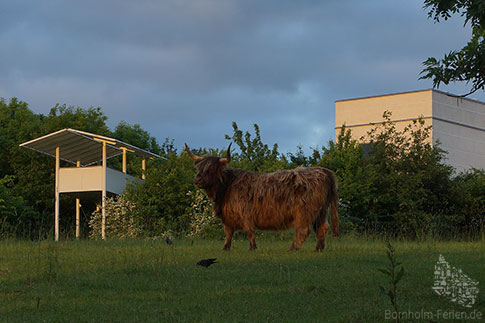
[168, 241]
[207, 262]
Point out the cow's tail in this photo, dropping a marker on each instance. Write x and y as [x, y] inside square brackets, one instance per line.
[333, 202]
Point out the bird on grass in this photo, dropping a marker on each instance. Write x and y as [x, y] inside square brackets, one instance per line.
[168, 241]
[207, 262]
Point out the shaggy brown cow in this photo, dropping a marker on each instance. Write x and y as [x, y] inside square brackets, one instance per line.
[281, 200]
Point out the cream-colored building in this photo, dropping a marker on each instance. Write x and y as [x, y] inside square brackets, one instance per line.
[457, 123]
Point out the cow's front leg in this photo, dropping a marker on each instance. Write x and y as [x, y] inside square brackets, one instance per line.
[250, 234]
[229, 232]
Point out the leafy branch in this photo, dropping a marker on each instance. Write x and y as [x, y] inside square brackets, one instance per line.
[468, 64]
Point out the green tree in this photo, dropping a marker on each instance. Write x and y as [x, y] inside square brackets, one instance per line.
[399, 185]
[167, 147]
[346, 158]
[134, 135]
[16, 217]
[468, 64]
[468, 207]
[298, 158]
[410, 180]
[61, 116]
[29, 173]
[162, 201]
[254, 154]
[17, 124]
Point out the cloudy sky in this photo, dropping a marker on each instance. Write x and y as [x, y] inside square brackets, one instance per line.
[186, 69]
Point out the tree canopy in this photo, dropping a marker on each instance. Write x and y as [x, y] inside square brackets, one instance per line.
[465, 65]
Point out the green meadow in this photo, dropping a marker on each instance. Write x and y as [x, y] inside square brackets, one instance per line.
[149, 281]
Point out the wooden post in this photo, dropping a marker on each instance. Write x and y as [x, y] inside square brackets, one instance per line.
[124, 149]
[124, 159]
[103, 197]
[143, 168]
[78, 205]
[56, 209]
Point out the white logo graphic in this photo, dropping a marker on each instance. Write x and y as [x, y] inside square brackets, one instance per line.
[453, 284]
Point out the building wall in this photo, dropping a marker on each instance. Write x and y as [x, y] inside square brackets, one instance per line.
[116, 181]
[360, 115]
[80, 179]
[88, 179]
[458, 123]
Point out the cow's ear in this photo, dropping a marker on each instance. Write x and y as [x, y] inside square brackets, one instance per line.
[228, 158]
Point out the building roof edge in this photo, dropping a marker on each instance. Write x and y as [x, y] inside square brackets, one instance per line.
[407, 92]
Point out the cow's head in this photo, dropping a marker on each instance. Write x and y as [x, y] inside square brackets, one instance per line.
[209, 170]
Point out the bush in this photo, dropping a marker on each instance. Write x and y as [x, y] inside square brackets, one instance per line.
[16, 217]
[468, 201]
[120, 219]
[399, 185]
[203, 223]
[161, 201]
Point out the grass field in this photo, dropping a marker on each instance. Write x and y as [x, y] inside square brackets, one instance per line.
[149, 281]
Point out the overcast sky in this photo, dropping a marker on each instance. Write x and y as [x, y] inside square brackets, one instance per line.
[186, 69]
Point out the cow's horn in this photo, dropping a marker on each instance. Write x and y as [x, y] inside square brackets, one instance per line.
[194, 157]
[228, 158]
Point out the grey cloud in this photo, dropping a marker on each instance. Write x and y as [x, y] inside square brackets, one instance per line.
[187, 69]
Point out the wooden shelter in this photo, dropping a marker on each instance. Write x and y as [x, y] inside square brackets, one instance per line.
[89, 152]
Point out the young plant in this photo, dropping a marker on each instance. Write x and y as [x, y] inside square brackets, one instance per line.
[394, 271]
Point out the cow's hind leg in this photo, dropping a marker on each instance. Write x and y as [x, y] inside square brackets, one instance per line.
[321, 236]
[301, 233]
[320, 226]
[229, 232]
[252, 242]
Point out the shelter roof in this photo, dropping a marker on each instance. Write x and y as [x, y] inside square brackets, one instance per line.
[85, 147]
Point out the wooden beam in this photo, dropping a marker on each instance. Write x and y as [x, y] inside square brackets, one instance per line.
[56, 209]
[105, 141]
[78, 205]
[124, 160]
[124, 156]
[127, 149]
[103, 194]
[143, 168]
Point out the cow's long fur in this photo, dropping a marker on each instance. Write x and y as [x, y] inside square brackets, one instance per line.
[285, 199]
